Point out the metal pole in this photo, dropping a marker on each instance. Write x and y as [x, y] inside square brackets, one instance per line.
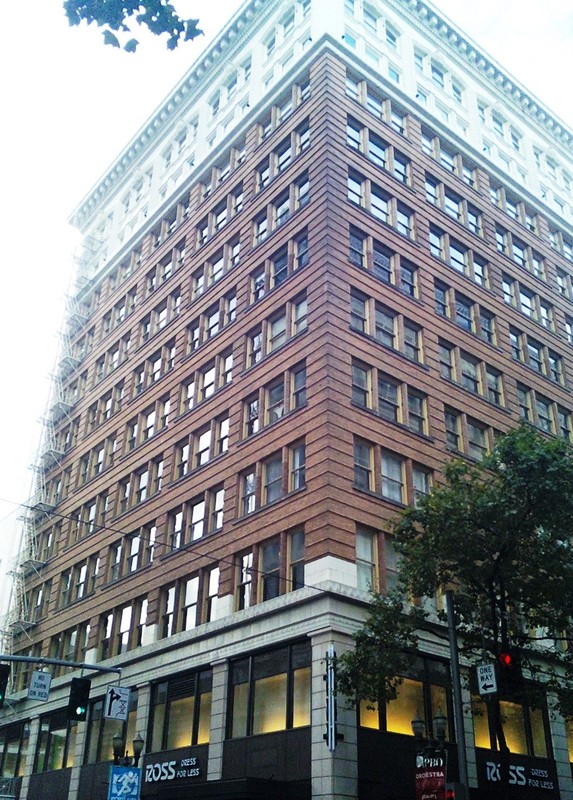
[457, 692]
[59, 662]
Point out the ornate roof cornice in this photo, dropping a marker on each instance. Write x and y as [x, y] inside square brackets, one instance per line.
[426, 14]
[191, 84]
[420, 12]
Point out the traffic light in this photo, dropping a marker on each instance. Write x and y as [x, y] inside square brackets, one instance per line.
[79, 696]
[510, 676]
[455, 791]
[4, 675]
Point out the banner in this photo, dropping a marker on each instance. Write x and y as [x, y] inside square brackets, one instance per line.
[431, 776]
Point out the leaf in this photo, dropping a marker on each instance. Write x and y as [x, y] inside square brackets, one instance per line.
[110, 38]
[130, 46]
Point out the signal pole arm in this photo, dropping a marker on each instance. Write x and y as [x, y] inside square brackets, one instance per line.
[60, 662]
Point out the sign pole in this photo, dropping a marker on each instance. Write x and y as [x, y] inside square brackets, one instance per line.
[457, 691]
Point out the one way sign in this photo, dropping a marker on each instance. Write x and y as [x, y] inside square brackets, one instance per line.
[116, 703]
[487, 683]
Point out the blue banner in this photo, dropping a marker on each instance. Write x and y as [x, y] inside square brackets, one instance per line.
[124, 783]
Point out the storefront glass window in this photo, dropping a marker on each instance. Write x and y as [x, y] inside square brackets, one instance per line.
[525, 729]
[276, 687]
[425, 695]
[56, 742]
[181, 711]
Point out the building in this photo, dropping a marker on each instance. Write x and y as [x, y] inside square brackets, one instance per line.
[340, 251]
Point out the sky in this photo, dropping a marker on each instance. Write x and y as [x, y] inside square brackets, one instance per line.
[70, 104]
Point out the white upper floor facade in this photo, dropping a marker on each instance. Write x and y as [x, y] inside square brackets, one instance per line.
[430, 67]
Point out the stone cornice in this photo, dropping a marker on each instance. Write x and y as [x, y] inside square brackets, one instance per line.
[425, 13]
[190, 84]
[420, 12]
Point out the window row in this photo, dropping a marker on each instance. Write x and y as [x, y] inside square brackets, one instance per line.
[464, 434]
[276, 331]
[273, 478]
[474, 375]
[459, 256]
[365, 193]
[514, 207]
[159, 317]
[454, 205]
[154, 367]
[276, 269]
[147, 423]
[196, 518]
[520, 252]
[112, 358]
[272, 402]
[211, 321]
[217, 265]
[563, 244]
[283, 155]
[528, 302]
[392, 399]
[205, 381]
[132, 552]
[139, 486]
[536, 355]
[384, 155]
[381, 107]
[79, 581]
[543, 412]
[392, 476]
[466, 313]
[162, 271]
[218, 174]
[434, 147]
[99, 458]
[106, 406]
[201, 446]
[220, 215]
[386, 326]
[284, 108]
[279, 210]
[386, 264]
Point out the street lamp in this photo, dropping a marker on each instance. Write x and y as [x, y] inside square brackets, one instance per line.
[120, 755]
[440, 723]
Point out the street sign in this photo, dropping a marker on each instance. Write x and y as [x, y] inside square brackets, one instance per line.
[39, 688]
[487, 683]
[116, 703]
[124, 783]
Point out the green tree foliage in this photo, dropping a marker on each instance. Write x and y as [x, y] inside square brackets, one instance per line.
[384, 647]
[499, 533]
[116, 17]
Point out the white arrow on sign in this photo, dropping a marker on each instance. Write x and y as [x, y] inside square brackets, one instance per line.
[487, 682]
[116, 703]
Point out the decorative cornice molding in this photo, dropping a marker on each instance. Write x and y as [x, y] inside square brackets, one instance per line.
[182, 93]
[420, 12]
[529, 105]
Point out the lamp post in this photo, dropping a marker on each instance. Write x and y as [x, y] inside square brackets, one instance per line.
[440, 723]
[121, 758]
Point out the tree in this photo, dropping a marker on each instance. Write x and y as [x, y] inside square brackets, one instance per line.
[384, 645]
[116, 17]
[499, 533]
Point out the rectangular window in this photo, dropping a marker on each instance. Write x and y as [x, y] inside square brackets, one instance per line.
[270, 691]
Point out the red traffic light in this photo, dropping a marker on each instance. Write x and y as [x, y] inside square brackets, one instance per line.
[506, 660]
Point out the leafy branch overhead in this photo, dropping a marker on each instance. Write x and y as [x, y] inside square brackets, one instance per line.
[117, 17]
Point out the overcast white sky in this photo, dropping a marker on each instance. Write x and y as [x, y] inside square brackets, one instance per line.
[70, 105]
